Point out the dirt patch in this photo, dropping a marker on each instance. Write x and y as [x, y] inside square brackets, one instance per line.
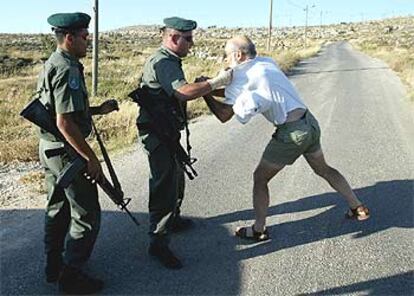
[21, 186]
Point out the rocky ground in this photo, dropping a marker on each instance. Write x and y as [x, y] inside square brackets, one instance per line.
[398, 31]
[21, 185]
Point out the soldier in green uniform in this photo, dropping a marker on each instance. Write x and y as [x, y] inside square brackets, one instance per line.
[72, 214]
[164, 78]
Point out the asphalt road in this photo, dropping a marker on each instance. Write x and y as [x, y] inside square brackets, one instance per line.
[367, 134]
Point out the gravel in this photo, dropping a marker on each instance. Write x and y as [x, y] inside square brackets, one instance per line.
[16, 193]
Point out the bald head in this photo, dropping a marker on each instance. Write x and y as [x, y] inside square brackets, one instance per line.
[243, 44]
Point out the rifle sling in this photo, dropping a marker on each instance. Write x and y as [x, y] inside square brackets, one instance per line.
[105, 155]
[143, 92]
[187, 130]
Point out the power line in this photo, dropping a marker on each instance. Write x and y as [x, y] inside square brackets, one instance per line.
[294, 4]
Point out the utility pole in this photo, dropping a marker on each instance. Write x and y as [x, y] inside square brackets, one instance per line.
[306, 24]
[95, 49]
[320, 24]
[269, 41]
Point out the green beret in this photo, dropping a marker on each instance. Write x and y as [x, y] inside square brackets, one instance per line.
[76, 20]
[180, 24]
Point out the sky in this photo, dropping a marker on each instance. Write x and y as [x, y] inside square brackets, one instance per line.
[29, 16]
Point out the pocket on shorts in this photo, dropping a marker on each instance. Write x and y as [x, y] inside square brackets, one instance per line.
[296, 137]
[299, 137]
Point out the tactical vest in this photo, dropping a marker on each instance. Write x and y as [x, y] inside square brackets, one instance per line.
[169, 110]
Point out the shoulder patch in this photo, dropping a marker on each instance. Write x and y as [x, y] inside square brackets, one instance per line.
[74, 78]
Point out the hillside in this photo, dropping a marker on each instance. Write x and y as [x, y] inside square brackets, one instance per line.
[123, 52]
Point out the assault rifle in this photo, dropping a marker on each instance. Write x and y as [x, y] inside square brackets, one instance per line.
[162, 128]
[36, 113]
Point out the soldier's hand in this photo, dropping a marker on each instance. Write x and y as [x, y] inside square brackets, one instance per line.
[108, 106]
[222, 79]
[202, 78]
[94, 170]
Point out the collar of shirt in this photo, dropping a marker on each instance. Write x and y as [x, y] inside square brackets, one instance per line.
[67, 55]
[243, 64]
[170, 52]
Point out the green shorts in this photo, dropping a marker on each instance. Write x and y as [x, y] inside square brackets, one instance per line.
[292, 139]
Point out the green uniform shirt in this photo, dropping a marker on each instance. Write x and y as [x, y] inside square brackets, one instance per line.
[162, 71]
[64, 91]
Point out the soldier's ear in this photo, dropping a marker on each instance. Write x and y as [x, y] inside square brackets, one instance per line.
[175, 38]
[69, 38]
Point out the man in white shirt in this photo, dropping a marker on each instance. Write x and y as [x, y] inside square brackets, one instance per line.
[259, 87]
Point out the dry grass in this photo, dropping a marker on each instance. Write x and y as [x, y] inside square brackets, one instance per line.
[400, 60]
[117, 129]
[287, 59]
[119, 71]
[19, 141]
[392, 41]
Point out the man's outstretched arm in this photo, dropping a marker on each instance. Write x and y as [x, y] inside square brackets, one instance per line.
[222, 111]
[203, 86]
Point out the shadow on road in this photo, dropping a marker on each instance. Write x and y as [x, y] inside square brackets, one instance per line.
[392, 285]
[120, 258]
[299, 71]
[212, 263]
[391, 204]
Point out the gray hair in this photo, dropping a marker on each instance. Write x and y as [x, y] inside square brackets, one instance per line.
[244, 44]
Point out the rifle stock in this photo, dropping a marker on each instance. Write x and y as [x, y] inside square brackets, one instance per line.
[54, 152]
[70, 171]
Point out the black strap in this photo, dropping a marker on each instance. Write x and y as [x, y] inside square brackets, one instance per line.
[121, 202]
[187, 131]
[105, 155]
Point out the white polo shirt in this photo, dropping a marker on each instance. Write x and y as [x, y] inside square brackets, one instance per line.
[259, 86]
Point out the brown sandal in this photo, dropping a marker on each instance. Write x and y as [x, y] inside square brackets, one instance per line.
[251, 234]
[360, 213]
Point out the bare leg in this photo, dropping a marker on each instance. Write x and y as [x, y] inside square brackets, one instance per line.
[338, 182]
[264, 172]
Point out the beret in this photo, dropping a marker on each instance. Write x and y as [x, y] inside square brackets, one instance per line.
[180, 24]
[75, 20]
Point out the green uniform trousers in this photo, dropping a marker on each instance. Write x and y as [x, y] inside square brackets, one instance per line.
[166, 187]
[72, 213]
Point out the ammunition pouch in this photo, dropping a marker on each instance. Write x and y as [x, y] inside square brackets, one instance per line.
[166, 112]
[166, 118]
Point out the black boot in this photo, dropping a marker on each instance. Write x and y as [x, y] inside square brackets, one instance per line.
[74, 281]
[53, 266]
[180, 224]
[163, 253]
